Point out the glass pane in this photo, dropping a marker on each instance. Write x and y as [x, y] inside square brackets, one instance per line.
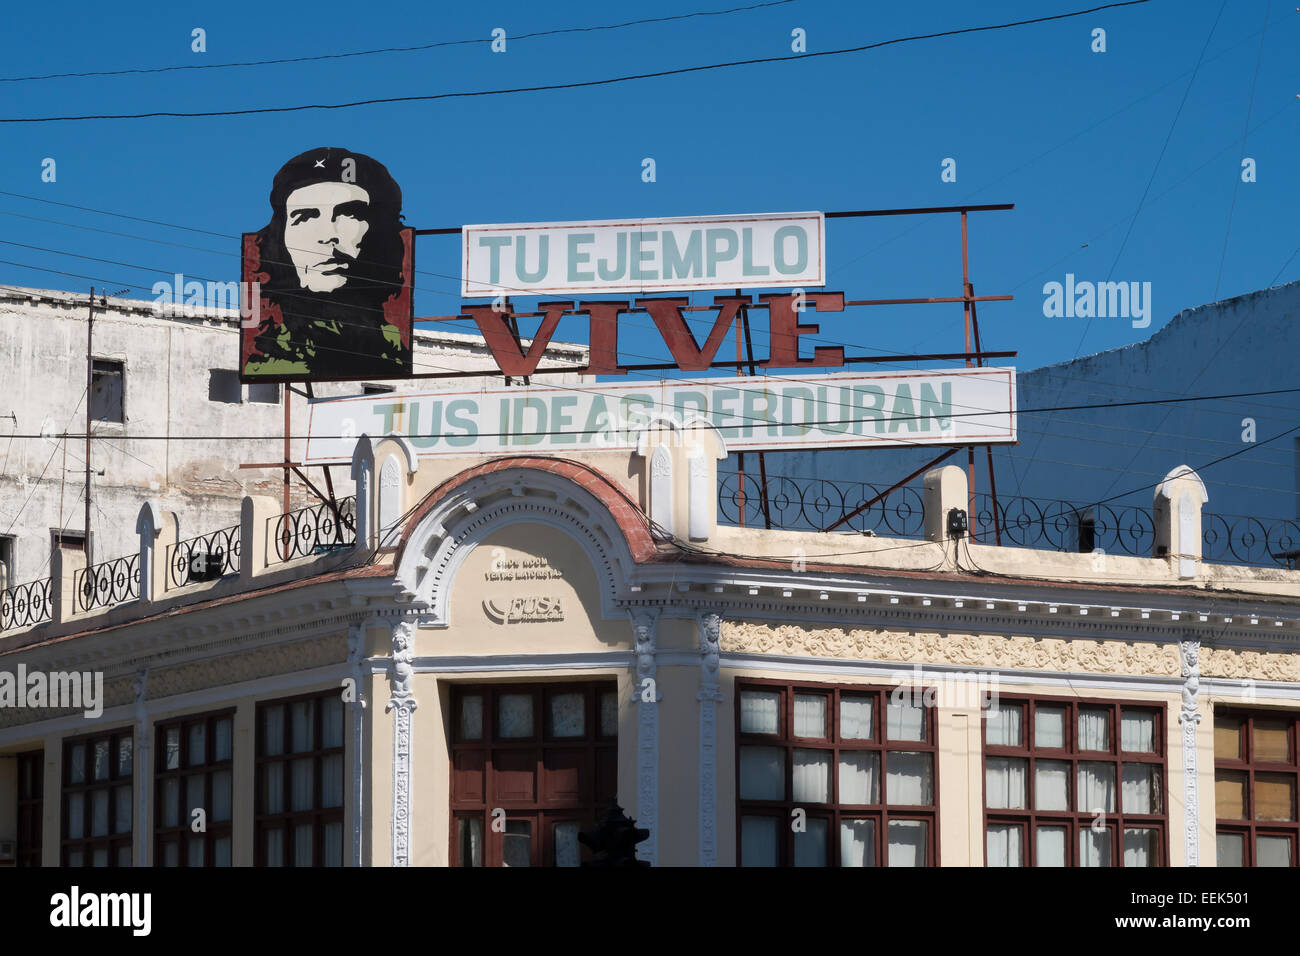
[1049, 727]
[859, 777]
[1137, 731]
[469, 840]
[124, 856]
[100, 857]
[1052, 785]
[1274, 796]
[273, 788]
[194, 798]
[1094, 846]
[1227, 738]
[1140, 846]
[810, 716]
[171, 802]
[302, 730]
[810, 845]
[567, 849]
[471, 717]
[221, 742]
[196, 753]
[76, 816]
[99, 813]
[909, 780]
[905, 717]
[1230, 794]
[172, 749]
[1096, 787]
[1094, 728]
[274, 843]
[762, 773]
[857, 843]
[331, 722]
[1230, 849]
[515, 715]
[77, 763]
[1272, 850]
[122, 810]
[759, 711]
[812, 776]
[333, 849]
[1050, 846]
[331, 781]
[300, 783]
[273, 732]
[1141, 792]
[609, 714]
[76, 858]
[907, 842]
[220, 796]
[1271, 744]
[124, 750]
[194, 851]
[221, 851]
[1004, 845]
[101, 765]
[302, 845]
[758, 841]
[856, 718]
[566, 715]
[1004, 782]
[517, 843]
[1002, 725]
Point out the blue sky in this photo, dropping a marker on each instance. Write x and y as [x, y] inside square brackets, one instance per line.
[1031, 115]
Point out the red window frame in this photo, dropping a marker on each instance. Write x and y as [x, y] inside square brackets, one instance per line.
[1248, 763]
[31, 807]
[115, 844]
[182, 833]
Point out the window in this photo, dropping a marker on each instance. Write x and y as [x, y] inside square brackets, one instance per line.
[72, 540]
[1074, 783]
[107, 391]
[300, 781]
[97, 817]
[193, 772]
[546, 754]
[223, 386]
[31, 789]
[834, 776]
[1255, 775]
[264, 393]
[8, 575]
[370, 389]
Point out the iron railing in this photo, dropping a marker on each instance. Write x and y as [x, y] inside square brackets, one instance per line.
[317, 529]
[1239, 539]
[815, 504]
[27, 604]
[108, 583]
[1057, 525]
[186, 561]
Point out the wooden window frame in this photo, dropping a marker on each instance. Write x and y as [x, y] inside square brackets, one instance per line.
[31, 808]
[542, 812]
[182, 831]
[1075, 819]
[1250, 828]
[882, 812]
[112, 842]
[289, 819]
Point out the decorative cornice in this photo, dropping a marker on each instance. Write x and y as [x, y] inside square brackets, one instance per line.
[1249, 665]
[710, 631]
[248, 665]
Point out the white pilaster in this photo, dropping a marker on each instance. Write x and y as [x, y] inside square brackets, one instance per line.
[402, 702]
[645, 693]
[710, 630]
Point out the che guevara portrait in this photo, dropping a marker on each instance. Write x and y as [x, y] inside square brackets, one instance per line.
[333, 271]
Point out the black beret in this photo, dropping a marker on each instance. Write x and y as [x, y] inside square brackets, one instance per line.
[330, 164]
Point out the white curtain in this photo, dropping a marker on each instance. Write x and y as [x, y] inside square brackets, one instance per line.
[762, 773]
[1094, 728]
[172, 803]
[1051, 846]
[101, 760]
[99, 813]
[221, 745]
[1141, 788]
[331, 720]
[1094, 846]
[221, 851]
[197, 751]
[171, 853]
[1140, 847]
[1137, 732]
[302, 837]
[194, 851]
[274, 847]
[122, 810]
[857, 843]
[221, 796]
[331, 781]
[1004, 783]
[300, 784]
[1049, 727]
[1003, 845]
[758, 711]
[1230, 849]
[859, 777]
[758, 841]
[1002, 725]
[273, 788]
[76, 815]
[908, 779]
[193, 798]
[1272, 851]
[907, 842]
[810, 716]
[333, 848]
[77, 764]
[1051, 785]
[1096, 787]
[100, 857]
[810, 845]
[302, 716]
[856, 718]
[812, 776]
[905, 717]
[125, 747]
[273, 724]
[471, 717]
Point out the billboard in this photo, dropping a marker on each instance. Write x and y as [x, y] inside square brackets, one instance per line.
[883, 409]
[327, 282]
[768, 250]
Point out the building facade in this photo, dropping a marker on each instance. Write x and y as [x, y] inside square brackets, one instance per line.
[507, 645]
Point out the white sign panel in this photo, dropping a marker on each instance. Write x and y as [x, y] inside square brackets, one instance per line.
[771, 250]
[942, 407]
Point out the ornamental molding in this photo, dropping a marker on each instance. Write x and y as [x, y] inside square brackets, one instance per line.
[248, 665]
[402, 703]
[972, 650]
[710, 633]
[1236, 664]
[1189, 716]
[117, 692]
[646, 695]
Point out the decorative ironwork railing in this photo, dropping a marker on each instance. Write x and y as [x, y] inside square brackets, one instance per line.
[1240, 539]
[108, 583]
[315, 530]
[204, 558]
[26, 604]
[1058, 525]
[815, 504]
